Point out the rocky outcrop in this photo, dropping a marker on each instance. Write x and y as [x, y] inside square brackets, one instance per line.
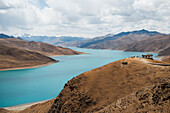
[71, 99]
[151, 99]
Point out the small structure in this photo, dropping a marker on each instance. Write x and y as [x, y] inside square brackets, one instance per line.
[124, 64]
[148, 56]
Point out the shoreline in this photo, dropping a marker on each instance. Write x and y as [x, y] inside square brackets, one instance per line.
[66, 55]
[23, 106]
[30, 67]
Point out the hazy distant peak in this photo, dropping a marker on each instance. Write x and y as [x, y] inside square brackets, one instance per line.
[138, 32]
[5, 36]
[145, 31]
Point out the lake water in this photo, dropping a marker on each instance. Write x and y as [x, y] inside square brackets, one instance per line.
[38, 84]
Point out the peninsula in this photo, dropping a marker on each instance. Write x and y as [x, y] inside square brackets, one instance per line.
[16, 53]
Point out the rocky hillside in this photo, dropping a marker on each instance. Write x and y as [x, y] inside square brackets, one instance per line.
[152, 99]
[40, 47]
[114, 41]
[11, 57]
[165, 52]
[94, 90]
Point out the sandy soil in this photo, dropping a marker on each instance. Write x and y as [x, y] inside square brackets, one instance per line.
[36, 107]
[23, 106]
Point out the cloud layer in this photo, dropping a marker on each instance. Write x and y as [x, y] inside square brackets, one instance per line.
[83, 17]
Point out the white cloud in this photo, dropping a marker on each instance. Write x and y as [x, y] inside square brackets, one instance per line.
[83, 17]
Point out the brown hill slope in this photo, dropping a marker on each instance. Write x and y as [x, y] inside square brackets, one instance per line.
[11, 57]
[123, 40]
[40, 47]
[165, 52]
[166, 59]
[96, 89]
[159, 44]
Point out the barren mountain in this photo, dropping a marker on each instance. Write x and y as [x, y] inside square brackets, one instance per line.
[11, 57]
[96, 89]
[39, 47]
[158, 43]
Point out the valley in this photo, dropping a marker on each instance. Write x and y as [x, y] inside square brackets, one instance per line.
[106, 80]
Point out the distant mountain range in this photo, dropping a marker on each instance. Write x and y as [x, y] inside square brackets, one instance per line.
[139, 41]
[5, 36]
[114, 41]
[58, 41]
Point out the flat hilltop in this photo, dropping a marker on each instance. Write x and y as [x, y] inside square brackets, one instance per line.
[95, 90]
[15, 58]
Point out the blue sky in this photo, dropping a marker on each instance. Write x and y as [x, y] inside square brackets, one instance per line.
[87, 18]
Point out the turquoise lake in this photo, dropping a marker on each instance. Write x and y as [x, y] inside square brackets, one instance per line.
[38, 84]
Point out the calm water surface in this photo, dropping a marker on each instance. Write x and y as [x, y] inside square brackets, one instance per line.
[32, 85]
